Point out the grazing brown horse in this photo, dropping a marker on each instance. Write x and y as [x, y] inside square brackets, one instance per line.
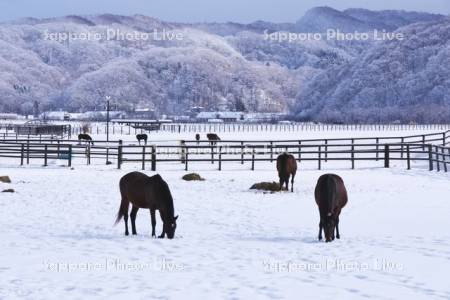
[85, 137]
[331, 197]
[152, 193]
[142, 137]
[286, 166]
[213, 138]
[197, 138]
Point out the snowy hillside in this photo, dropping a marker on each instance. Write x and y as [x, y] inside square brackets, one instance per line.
[405, 80]
[219, 66]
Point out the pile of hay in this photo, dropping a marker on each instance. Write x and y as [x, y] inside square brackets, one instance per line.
[5, 179]
[266, 186]
[192, 177]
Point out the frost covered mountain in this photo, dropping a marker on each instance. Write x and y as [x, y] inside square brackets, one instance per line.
[227, 66]
[405, 80]
[320, 19]
[231, 69]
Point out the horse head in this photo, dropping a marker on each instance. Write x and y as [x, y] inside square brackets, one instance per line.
[329, 226]
[170, 227]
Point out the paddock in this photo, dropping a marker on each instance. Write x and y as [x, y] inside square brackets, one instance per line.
[58, 237]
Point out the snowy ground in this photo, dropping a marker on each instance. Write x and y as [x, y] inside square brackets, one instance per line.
[57, 239]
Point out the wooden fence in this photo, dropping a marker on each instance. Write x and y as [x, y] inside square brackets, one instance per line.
[430, 148]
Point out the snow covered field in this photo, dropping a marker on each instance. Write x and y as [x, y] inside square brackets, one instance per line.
[57, 239]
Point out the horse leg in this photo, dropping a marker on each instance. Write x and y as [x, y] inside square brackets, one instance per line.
[163, 233]
[292, 183]
[338, 236]
[152, 215]
[281, 183]
[286, 181]
[320, 229]
[125, 219]
[133, 214]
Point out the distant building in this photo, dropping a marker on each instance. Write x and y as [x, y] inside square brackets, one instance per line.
[142, 113]
[6, 116]
[55, 115]
[233, 116]
[224, 116]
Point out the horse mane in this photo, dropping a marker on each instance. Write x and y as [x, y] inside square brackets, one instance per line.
[167, 195]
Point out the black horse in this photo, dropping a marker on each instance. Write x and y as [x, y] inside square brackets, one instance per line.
[286, 167]
[152, 193]
[85, 137]
[142, 137]
[331, 197]
[213, 138]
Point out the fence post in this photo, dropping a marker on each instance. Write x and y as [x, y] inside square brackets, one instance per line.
[242, 153]
[45, 155]
[402, 147]
[444, 160]
[408, 157]
[119, 155]
[352, 151]
[28, 151]
[271, 151]
[220, 158]
[22, 149]
[320, 158]
[443, 139]
[386, 156]
[88, 154]
[430, 157]
[377, 141]
[212, 154]
[299, 151]
[186, 160]
[326, 150]
[143, 157]
[253, 159]
[154, 158]
[183, 151]
[70, 156]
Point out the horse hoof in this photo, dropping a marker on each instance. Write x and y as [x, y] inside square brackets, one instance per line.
[126, 233]
[338, 237]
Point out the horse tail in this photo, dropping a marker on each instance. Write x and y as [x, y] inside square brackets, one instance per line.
[122, 209]
[282, 164]
[330, 193]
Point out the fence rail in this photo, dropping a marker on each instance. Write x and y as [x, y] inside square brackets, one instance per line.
[100, 127]
[430, 148]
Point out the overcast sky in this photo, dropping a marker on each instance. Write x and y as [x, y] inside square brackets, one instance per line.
[204, 10]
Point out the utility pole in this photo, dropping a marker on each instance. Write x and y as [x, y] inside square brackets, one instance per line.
[107, 117]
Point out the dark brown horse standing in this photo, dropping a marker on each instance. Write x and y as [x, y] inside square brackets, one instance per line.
[142, 137]
[197, 138]
[152, 193]
[85, 137]
[213, 138]
[331, 197]
[286, 166]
